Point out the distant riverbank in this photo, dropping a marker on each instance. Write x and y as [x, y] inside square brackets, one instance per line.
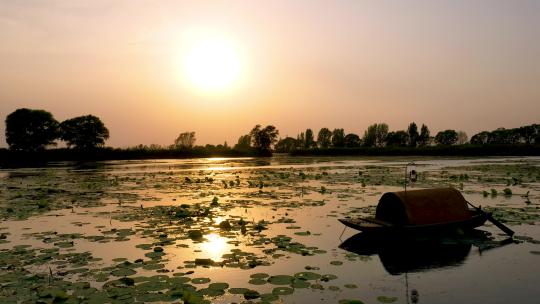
[10, 158]
[457, 150]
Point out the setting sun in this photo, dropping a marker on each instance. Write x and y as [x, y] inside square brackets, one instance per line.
[212, 64]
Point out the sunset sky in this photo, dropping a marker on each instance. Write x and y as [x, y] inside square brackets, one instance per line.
[142, 66]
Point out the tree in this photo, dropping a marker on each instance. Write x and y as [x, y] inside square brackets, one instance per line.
[412, 132]
[503, 136]
[382, 131]
[30, 130]
[398, 138]
[480, 138]
[528, 133]
[462, 138]
[244, 142]
[264, 138]
[84, 132]
[301, 139]
[309, 140]
[352, 140]
[375, 135]
[185, 140]
[423, 138]
[338, 138]
[286, 145]
[324, 138]
[446, 137]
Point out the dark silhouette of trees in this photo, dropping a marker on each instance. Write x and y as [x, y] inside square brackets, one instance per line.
[397, 139]
[264, 138]
[185, 140]
[309, 140]
[84, 132]
[375, 135]
[413, 135]
[370, 136]
[301, 139]
[338, 138]
[480, 138]
[529, 133]
[423, 138]
[504, 136]
[501, 136]
[30, 130]
[286, 145]
[244, 142]
[324, 138]
[352, 140]
[446, 137]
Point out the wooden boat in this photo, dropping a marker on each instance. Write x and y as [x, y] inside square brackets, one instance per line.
[436, 211]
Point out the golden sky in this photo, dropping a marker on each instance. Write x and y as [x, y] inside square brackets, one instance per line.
[464, 65]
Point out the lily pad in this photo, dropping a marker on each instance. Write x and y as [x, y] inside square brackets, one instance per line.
[282, 291]
[385, 299]
[200, 280]
[280, 280]
[123, 272]
[307, 275]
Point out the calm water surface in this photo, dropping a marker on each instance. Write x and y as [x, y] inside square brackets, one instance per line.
[263, 217]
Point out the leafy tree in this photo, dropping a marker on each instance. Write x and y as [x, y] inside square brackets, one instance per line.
[84, 132]
[264, 138]
[310, 140]
[462, 138]
[398, 138]
[503, 136]
[446, 137]
[423, 138]
[375, 135]
[244, 142]
[338, 138]
[480, 138]
[413, 135]
[185, 140]
[382, 131]
[30, 130]
[370, 136]
[324, 138]
[286, 145]
[301, 139]
[528, 133]
[352, 140]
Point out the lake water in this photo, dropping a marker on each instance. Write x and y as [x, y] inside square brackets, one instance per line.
[261, 230]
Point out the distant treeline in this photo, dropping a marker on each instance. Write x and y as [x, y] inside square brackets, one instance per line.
[378, 140]
[456, 150]
[32, 136]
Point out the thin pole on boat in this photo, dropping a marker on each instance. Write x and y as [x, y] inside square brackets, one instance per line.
[407, 287]
[407, 175]
[342, 232]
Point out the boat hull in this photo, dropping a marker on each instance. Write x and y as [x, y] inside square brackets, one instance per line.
[373, 226]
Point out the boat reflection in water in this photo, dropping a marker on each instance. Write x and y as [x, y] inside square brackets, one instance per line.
[418, 254]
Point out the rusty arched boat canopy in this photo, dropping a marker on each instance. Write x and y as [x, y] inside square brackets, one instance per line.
[423, 207]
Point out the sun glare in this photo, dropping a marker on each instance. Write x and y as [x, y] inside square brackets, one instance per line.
[212, 63]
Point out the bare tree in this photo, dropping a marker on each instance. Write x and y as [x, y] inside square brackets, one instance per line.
[462, 138]
[185, 140]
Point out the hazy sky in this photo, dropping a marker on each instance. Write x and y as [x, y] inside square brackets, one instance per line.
[465, 65]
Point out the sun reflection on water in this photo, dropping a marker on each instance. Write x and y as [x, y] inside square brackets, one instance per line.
[215, 246]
